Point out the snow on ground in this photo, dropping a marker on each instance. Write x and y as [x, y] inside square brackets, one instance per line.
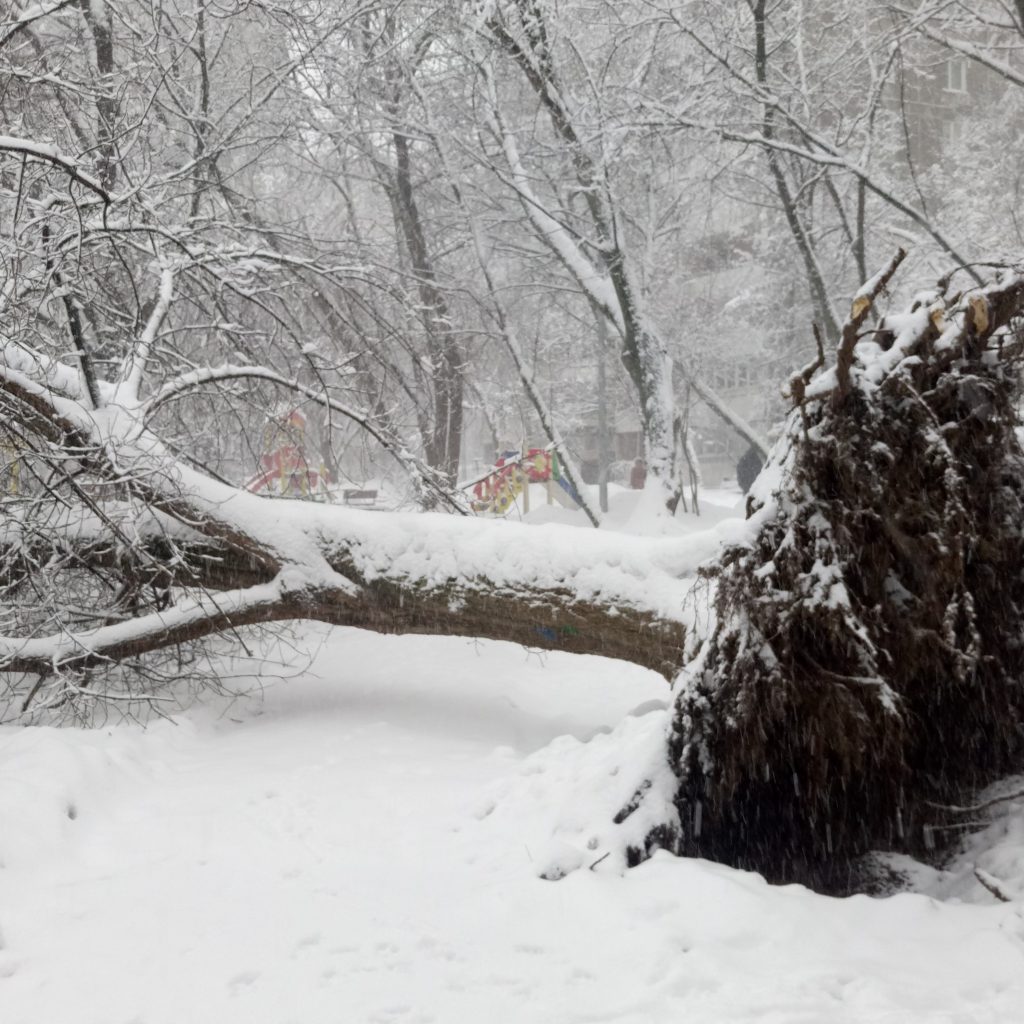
[992, 851]
[361, 844]
[630, 511]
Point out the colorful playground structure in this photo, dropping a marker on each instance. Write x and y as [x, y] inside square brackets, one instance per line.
[514, 472]
[284, 468]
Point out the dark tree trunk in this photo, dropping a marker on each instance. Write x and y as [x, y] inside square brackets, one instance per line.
[101, 28]
[443, 445]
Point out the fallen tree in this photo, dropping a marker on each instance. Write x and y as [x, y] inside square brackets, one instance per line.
[863, 664]
[197, 556]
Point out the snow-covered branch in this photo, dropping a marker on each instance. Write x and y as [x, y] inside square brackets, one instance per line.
[188, 619]
[31, 150]
[619, 596]
[135, 364]
[11, 26]
[596, 285]
[947, 325]
[972, 52]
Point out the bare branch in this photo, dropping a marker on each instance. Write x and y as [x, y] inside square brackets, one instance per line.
[31, 14]
[49, 154]
[422, 475]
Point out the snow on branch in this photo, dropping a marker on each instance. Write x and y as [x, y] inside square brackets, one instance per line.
[597, 286]
[135, 363]
[42, 369]
[973, 53]
[724, 411]
[12, 26]
[953, 326]
[592, 593]
[862, 304]
[50, 154]
[189, 619]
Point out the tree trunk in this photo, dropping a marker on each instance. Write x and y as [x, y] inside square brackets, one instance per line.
[269, 559]
[101, 27]
[444, 443]
[553, 617]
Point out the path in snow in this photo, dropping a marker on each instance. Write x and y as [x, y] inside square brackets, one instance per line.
[316, 857]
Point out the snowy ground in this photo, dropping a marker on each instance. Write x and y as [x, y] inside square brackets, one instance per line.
[629, 511]
[323, 854]
[362, 843]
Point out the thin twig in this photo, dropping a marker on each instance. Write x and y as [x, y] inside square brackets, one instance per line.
[992, 884]
[974, 808]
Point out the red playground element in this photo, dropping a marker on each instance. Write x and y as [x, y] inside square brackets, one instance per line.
[283, 466]
[498, 491]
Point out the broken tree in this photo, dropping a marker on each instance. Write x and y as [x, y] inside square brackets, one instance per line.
[864, 661]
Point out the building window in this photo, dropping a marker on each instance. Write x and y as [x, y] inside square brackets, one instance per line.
[956, 76]
[953, 131]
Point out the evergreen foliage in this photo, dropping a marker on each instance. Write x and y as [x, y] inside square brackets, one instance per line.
[865, 662]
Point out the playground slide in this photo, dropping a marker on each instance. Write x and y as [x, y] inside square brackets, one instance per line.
[564, 493]
[497, 492]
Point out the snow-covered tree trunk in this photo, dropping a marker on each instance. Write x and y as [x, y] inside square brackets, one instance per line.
[230, 558]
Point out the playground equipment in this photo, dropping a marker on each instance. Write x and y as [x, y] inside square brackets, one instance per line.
[512, 475]
[284, 467]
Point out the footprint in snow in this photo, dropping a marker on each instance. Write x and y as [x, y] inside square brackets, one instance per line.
[307, 942]
[242, 980]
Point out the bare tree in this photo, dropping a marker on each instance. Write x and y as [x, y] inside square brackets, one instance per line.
[594, 250]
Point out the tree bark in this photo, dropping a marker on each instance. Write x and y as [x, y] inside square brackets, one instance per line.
[803, 240]
[550, 618]
[101, 27]
[444, 444]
